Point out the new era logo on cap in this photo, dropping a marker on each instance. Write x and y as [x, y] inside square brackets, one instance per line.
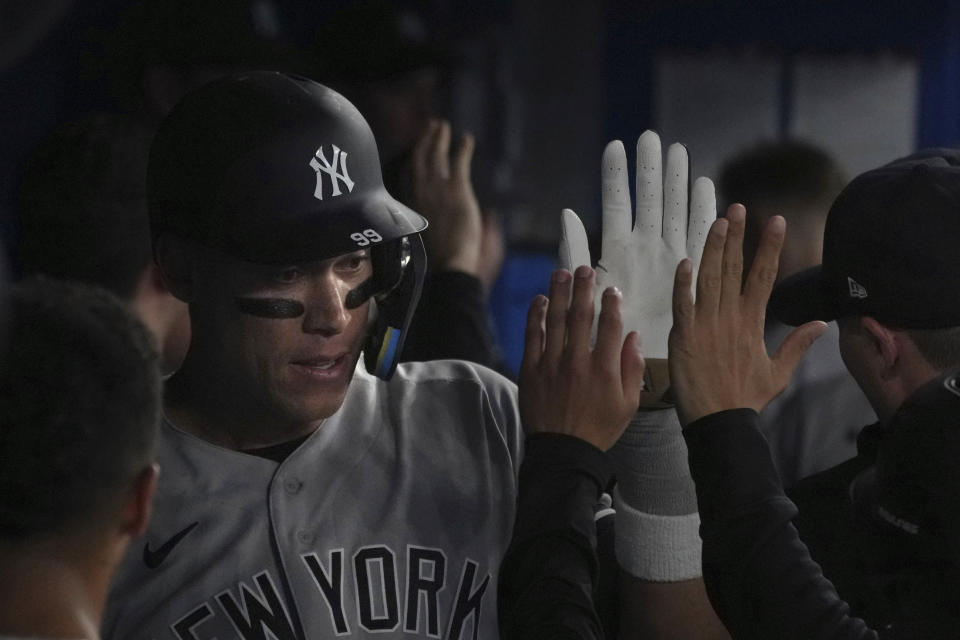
[857, 290]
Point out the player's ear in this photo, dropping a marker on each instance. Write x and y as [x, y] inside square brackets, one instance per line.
[151, 283]
[175, 258]
[883, 342]
[137, 506]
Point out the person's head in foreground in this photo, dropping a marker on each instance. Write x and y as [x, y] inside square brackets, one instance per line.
[79, 409]
[270, 219]
[890, 276]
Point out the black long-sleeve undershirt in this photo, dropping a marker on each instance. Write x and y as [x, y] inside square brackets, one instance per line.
[548, 578]
[759, 575]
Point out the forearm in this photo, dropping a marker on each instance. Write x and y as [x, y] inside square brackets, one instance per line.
[549, 573]
[759, 575]
[680, 609]
[658, 541]
[657, 523]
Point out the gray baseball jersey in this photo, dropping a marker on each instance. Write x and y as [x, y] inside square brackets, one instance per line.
[391, 519]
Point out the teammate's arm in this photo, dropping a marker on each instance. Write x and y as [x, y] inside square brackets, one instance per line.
[759, 574]
[575, 401]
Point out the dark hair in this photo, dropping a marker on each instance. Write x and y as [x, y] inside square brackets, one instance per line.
[788, 173]
[791, 178]
[83, 204]
[940, 347]
[79, 406]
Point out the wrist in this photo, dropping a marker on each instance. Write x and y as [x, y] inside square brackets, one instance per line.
[692, 413]
[656, 385]
[657, 548]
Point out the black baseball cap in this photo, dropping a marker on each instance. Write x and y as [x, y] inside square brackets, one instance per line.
[890, 249]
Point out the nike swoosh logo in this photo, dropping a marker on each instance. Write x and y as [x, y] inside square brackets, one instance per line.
[153, 558]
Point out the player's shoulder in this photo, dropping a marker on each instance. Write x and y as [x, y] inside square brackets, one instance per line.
[437, 387]
[422, 377]
[439, 391]
[445, 371]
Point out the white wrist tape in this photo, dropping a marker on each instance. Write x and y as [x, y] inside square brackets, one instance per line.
[657, 548]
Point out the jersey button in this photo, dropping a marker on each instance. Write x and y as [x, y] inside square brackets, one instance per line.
[292, 485]
[305, 536]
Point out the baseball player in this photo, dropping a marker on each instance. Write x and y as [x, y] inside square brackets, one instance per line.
[306, 492]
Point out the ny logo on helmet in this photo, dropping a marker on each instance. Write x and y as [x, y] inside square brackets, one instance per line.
[319, 164]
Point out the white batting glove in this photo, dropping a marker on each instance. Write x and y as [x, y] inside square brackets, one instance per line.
[641, 258]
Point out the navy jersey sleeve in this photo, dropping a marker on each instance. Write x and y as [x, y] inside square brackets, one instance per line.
[549, 574]
[759, 575]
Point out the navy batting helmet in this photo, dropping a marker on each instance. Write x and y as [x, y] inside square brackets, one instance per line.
[277, 169]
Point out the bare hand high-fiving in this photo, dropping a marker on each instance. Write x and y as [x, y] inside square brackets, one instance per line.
[567, 386]
[718, 359]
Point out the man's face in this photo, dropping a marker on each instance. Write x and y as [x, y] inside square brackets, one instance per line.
[282, 337]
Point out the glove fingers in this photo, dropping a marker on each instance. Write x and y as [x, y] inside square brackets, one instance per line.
[649, 185]
[703, 211]
[574, 248]
[615, 194]
[575, 251]
[675, 197]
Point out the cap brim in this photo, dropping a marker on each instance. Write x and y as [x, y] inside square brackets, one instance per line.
[800, 298]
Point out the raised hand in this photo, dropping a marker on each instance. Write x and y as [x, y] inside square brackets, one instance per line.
[718, 359]
[443, 194]
[567, 386]
[640, 257]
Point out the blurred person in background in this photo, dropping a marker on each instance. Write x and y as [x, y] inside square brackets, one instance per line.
[163, 49]
[61, 60]
[814, 423]
[83, 216]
